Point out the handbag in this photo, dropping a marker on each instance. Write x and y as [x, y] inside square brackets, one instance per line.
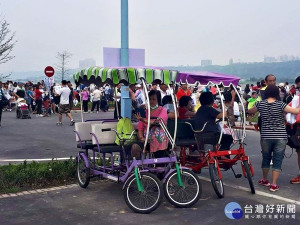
[293, 131]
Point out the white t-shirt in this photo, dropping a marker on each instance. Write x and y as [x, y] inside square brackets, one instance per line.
[64, 93]
[163, 94]
[140, 99]
[19, 88]
[97, 95]
[287, 88]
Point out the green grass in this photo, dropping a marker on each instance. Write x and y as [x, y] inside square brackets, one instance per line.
[27, 176]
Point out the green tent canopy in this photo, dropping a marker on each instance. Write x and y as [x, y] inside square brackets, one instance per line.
[127, 75]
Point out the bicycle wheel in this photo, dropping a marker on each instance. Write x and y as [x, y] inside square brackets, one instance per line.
[83, 173]
[184, 196]
[143, 201]
[249, 176]
[215, 181]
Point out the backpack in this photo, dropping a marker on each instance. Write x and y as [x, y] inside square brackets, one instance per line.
[293, 131]
[124, 129]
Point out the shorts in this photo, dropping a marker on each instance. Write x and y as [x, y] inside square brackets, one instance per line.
[56, 99]
[64, 108]
[273, 149]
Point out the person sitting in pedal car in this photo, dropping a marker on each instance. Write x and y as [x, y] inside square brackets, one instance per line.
[158, 141]
[207, 114]
[185, 108]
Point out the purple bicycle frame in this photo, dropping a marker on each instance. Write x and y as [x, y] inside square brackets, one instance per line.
[136, 163]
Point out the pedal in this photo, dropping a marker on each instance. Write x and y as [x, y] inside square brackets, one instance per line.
[236, 175]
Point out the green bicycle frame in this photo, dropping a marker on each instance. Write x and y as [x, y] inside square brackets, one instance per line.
[178, 175]
[138, 181]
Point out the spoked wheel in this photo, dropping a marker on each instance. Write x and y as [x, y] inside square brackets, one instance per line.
[147, 200]
[216, 182]
[249, 176]
[186, 195]
[83, 173]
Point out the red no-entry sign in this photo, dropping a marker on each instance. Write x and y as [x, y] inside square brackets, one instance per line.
[49, 71]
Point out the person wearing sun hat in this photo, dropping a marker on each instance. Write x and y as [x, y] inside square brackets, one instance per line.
[183, 91]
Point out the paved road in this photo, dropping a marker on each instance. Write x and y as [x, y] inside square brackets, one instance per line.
[41, 138]
[103, 203]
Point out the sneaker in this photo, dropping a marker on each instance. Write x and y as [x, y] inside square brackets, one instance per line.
[274, 187]
[59, 124]
[264, 182]
[72, 123]
[295, 180]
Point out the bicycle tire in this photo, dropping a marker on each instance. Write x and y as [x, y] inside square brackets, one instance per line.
[174, 192]
[152, 193]
[83, 182]
[213, 173]
[249, 176]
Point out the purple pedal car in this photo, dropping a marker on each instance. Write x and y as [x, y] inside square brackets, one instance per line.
[144, 182]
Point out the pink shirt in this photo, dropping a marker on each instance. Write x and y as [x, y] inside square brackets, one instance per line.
[157, 137]
[85, 95]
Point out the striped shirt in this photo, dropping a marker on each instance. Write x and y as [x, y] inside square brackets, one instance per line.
[272, 126]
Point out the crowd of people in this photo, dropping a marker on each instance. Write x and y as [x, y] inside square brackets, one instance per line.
[40, 99]
[268, 101]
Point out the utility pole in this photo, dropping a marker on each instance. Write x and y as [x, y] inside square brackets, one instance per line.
[124, 33]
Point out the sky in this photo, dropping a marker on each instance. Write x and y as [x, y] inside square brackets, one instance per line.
[173, 32]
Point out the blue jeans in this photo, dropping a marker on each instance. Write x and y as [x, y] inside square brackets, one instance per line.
[275, 146]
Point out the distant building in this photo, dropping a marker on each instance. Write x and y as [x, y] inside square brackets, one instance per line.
[230, 61]
[284, 58]
[86, 63]
[269, 59]
[206, 62]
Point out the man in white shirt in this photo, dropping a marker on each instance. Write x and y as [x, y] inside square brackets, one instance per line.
[164, 90]
[96, 99]
[64, 105]
[20, 89]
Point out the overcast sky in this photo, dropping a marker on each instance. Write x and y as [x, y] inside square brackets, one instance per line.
[173, 32]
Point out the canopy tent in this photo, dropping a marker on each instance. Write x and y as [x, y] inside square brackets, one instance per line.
[127, 75]
[205, 77]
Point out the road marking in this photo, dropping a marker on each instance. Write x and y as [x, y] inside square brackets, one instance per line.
[261, 193]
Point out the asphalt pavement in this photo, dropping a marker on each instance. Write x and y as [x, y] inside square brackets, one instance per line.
[103, 203]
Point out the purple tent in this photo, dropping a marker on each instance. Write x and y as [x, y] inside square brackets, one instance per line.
[204, 77]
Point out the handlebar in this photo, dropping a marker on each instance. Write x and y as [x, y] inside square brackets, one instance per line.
[196, 131]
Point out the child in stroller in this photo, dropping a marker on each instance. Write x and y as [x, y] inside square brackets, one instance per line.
[22, 109]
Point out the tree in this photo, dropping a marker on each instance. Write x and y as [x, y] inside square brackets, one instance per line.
[63, 58]
[7, 43]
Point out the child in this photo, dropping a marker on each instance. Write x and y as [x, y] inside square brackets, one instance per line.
[251, 103]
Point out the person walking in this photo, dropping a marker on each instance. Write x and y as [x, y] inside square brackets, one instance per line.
[273, 134]
[96, 99]
[38, 100]
[85, 99]
[64, 105]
